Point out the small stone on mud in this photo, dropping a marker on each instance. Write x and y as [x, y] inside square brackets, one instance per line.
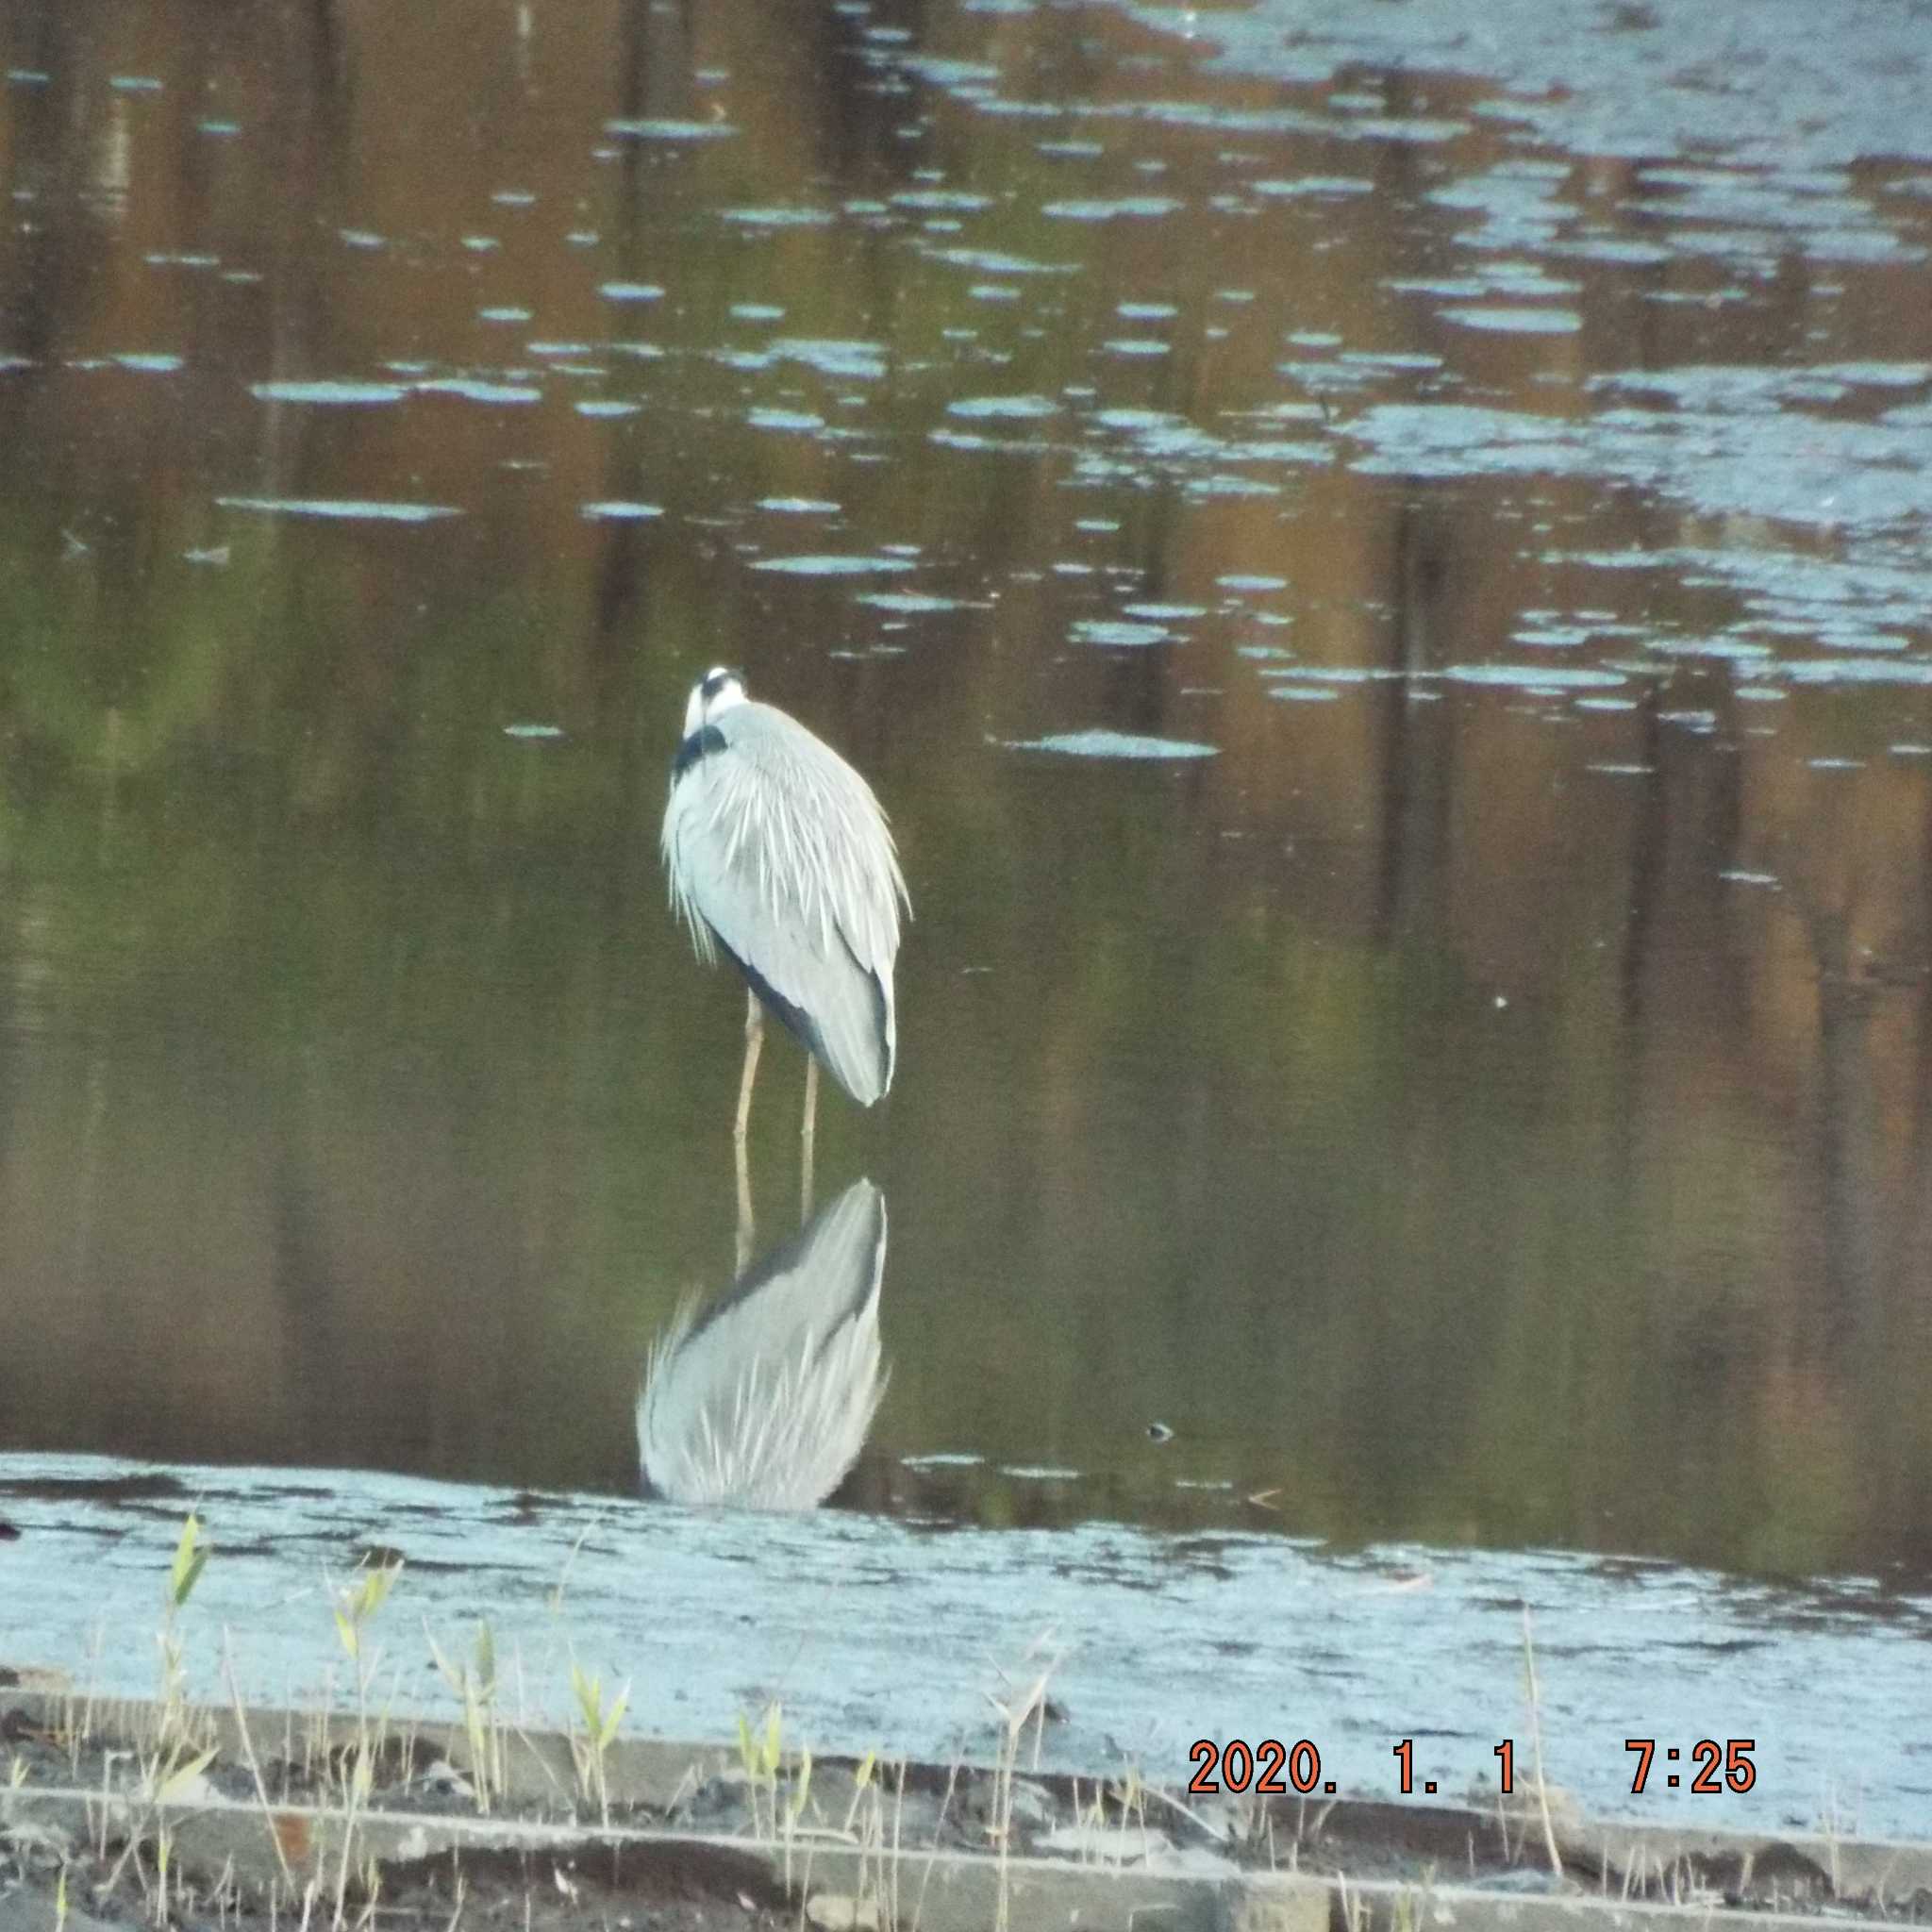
[839, 1911]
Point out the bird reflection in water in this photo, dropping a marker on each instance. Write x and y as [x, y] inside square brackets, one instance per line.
[762, 1400]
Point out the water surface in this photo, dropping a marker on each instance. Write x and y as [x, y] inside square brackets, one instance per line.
[1376, 560]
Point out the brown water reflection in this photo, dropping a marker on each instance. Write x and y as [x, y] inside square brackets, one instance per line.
[1489, 1098]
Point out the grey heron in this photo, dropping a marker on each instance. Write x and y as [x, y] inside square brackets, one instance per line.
[762, 1400]
[777, 852]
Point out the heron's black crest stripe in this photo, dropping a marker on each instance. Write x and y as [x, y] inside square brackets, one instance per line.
[717, 681]
[702, 744]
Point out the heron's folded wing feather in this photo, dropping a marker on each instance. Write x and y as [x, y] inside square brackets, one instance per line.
[780, 848]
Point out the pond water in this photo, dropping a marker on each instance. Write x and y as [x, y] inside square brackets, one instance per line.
[1376, 556]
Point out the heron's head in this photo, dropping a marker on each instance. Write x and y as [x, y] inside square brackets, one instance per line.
[714, 693]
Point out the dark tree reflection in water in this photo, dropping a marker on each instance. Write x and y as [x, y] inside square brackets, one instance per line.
[1488, 1096]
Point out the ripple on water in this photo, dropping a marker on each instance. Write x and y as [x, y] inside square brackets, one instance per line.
[325, 390]
[1324, 674]
[1816, 671]
[938, 70]
[1100, 744]
[1007, 406]
[622, 510]
[847, 360]
[994, 261]
[1225, 484]
[1733, 649]
[341, 509]
[1518, 322]
[909, 603]
[832, 565]
[943, 200]
[661, 129]
[476, 389]
[1329, 187]
[1535, 676]
[785, 215]
[1130, 207]
[1118, 631]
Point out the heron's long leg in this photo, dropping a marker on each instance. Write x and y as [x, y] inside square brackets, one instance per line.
[753, 1039]
[806, 1135]
[746, 1232]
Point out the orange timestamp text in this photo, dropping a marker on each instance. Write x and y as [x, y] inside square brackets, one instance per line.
[1272, 1768]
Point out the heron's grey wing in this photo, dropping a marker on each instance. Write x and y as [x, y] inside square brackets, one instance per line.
[778, 848]
[764, 1400]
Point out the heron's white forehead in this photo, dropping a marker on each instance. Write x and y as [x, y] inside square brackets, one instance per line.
[716, 691]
